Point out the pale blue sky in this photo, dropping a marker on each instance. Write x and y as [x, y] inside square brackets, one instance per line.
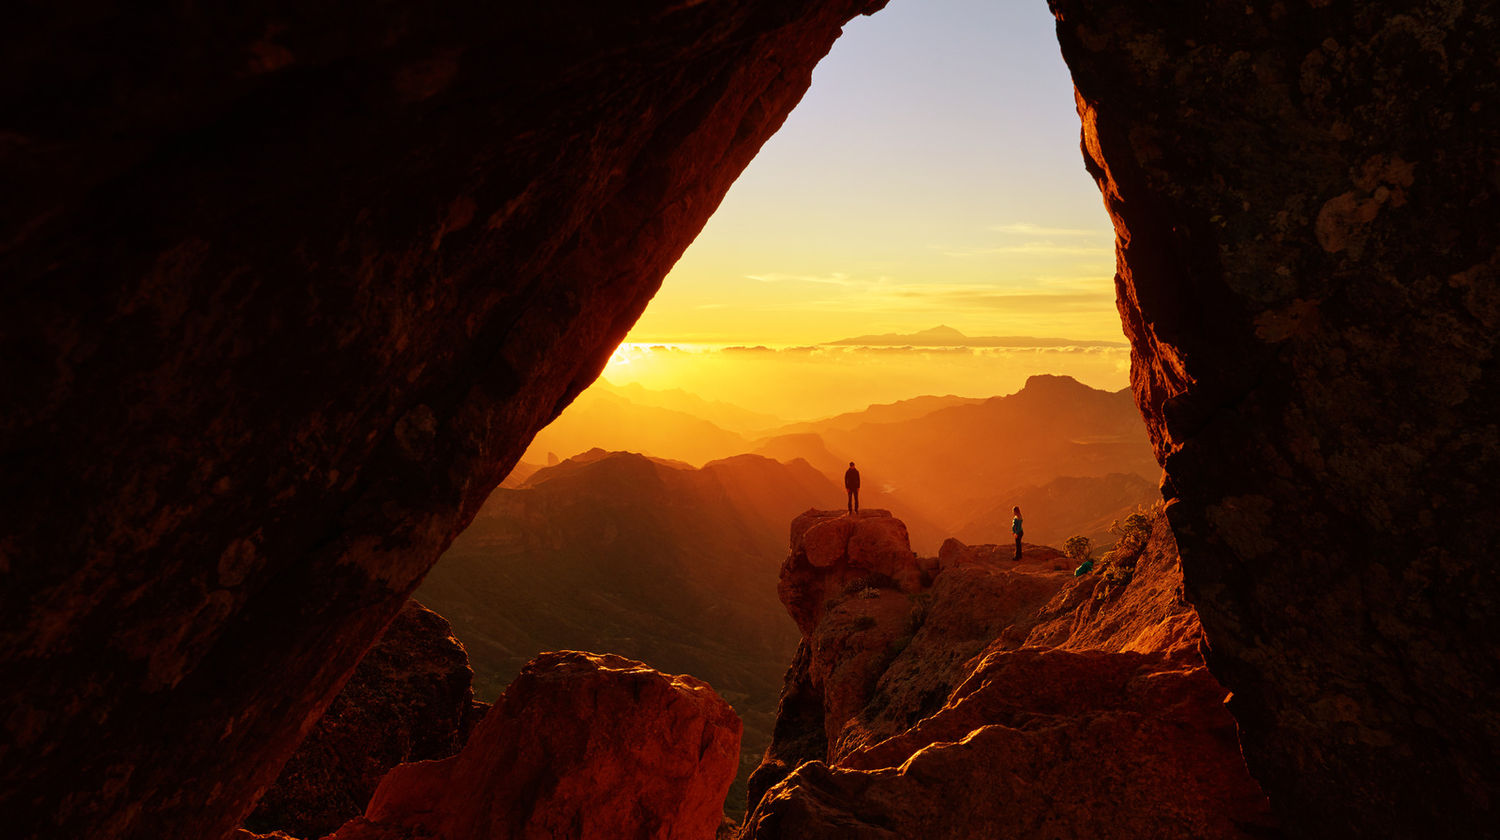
[931, 175]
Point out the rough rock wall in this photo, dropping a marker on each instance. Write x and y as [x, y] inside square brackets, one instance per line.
[1008, 699]
[287, 291]
[410, 699]
[1305, 196]
[581, 745]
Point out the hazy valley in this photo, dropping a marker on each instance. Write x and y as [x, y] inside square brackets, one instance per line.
[669, 550]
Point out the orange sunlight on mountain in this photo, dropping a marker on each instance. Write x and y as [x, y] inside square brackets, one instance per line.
[810, 381]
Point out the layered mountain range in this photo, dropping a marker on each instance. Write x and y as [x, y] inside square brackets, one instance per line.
[949, 464]
[654, 559]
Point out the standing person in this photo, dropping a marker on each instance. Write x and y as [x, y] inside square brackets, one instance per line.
[1015, 528]
[851, 485]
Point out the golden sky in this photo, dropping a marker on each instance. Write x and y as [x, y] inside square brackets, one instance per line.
[930, 176]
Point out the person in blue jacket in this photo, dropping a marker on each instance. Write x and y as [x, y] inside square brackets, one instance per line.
[1015, 528]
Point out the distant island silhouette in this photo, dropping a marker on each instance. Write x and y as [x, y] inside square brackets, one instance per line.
[946, 336]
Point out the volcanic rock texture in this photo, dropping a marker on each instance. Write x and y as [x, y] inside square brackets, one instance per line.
[410, 699]
[1305, 197]
[580, 746]
[287, 291]
[1007, 699]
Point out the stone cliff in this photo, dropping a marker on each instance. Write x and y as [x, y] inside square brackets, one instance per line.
[978, 696]
[1304, 196]
[287, 291]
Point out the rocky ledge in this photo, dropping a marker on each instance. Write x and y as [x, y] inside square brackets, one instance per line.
[973, 695]
[580, 745]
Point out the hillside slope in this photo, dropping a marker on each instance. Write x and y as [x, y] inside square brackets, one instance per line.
[955, 465]
[620, 553]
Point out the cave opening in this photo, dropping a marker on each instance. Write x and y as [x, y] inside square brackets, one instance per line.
[920, 235]
[288, 290]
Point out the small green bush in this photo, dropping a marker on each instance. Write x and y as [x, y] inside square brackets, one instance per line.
[1117, 567]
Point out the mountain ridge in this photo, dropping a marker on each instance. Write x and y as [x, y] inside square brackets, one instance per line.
[946, 336]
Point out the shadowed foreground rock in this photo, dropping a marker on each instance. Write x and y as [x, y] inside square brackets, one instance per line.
[287, 290]
[580, 746]
[1008, 700]
[410, 699]
[1304, 198]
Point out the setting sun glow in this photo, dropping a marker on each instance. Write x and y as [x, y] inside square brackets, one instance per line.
[922, 224]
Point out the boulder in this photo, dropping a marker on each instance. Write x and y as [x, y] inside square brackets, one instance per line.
[834, 551]
[410, 699]
[580, 746]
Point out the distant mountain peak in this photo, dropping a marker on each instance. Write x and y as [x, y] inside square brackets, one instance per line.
[946, 336]
[1054, 381]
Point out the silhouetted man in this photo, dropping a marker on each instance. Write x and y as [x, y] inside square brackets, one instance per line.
[851, 484]
[1015, 528]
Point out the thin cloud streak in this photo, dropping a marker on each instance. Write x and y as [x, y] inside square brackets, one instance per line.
[1031, 248]
[838, 278]
[936, 297]
[1028, 229]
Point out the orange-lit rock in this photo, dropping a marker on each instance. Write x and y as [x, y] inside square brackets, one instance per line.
[1010, 699]
[580, 746]
[834, 550]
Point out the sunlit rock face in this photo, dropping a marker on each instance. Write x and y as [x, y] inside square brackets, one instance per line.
[581, 745]
[1005, 699]
[1305, 198]
[288, 290]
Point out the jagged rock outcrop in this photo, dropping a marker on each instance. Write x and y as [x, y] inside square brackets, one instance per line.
[580, 746]
[287, 291]
[1009, 699]
[1304, 196]
[833, 550]
[410, 699]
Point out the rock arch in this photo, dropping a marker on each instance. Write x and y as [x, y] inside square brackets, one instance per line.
[287, 291]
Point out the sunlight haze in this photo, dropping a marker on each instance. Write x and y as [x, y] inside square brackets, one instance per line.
[931, 175]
